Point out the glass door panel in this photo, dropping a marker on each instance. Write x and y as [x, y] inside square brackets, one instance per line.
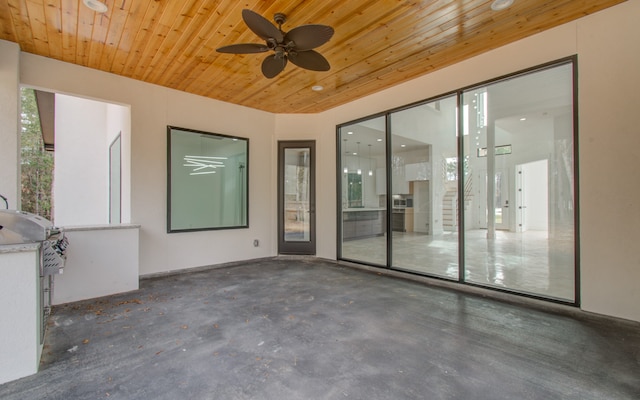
[296, 198]
[296, 195]
[518, 140]
[425, 188]
[363, 192]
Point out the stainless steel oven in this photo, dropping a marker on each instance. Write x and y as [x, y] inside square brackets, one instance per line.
[399, 203]
[397, 220]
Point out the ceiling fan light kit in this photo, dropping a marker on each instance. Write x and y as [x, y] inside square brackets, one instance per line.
[296, 45]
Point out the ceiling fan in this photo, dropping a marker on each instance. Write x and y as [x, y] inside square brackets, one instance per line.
[295, 46]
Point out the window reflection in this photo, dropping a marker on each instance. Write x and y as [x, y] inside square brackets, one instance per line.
[207, 186]
[509, 197]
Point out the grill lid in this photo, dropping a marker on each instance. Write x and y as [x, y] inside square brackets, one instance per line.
[22, 227]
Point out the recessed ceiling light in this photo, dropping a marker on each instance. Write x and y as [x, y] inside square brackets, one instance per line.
[379, 140]
[349, 133]
[317, 88]
[96, 5]
[499, 5]
[403, 145]
[523, 119]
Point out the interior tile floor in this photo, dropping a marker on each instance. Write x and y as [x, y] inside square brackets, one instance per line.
[529, 262]
[311, 329]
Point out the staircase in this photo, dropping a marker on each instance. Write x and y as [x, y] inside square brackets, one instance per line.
[450, 205]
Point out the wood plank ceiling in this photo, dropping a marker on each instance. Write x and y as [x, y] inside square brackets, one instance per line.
[377, 44]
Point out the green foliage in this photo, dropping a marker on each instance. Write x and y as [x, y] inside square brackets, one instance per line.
[36, 163]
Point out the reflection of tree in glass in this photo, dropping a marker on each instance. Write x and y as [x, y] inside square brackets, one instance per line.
[303, 176]
[36, 163]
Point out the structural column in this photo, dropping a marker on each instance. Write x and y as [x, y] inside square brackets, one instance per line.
[9, 123]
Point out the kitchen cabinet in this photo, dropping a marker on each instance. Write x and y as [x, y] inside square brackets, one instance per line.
[381, 181]
[399, 185]
[417, 172]
[408, 219]
[402, 219]
[402, 177]
[362, 223]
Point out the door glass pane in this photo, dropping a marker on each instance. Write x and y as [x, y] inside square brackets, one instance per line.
[115, 177]
[363, 191]
[425, 188]
[296, 195]
[519, 225]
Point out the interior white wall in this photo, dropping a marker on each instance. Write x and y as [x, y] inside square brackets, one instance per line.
[9, 125]
[608, 101]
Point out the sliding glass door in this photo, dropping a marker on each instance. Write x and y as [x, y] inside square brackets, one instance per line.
[518, 140]
[363, 191]
[424, 190]
[477, 186]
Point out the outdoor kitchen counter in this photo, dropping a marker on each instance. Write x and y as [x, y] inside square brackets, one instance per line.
[19, 248]
[20, 345]
[101, 260]
[78, 228]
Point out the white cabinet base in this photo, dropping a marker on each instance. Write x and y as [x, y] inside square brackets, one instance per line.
[21, 316]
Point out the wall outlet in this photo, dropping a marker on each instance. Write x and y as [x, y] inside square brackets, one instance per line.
[256, 243]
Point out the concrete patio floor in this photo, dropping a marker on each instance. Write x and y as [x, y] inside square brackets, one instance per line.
[312, 329]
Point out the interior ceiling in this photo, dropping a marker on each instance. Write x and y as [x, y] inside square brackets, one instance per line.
[376, 45]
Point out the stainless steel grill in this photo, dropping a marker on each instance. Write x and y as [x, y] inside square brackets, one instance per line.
[19, 227]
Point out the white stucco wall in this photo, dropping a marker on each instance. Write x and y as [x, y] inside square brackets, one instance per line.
[608, 100]
[9, 119]
[80, 184]
[84, 131]
[609, 143]
[152, 109]
[119, 122]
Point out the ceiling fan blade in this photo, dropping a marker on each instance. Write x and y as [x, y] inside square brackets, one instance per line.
[272, 65]
[310, 60]
[307, 37]
[243, 48]
[261, 26]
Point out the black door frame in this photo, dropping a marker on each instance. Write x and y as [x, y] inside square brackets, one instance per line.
[307, 247]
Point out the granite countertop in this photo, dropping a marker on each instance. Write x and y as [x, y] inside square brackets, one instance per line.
[364, 209]
[19, 248]
[98, 227]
